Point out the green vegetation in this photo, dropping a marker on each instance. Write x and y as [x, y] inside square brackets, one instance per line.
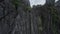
[40, 29]
[53, 14]
[15, 3]
[54, 19]
[27, 8]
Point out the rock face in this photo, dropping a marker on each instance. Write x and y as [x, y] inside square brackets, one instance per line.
[7, 17]
[12, 20]
[57, 3]
[58, 10]
[17, 19]
[50, 2]
[44, 13]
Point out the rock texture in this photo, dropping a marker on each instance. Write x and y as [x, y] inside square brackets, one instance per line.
[7, 17]
[57, 3]
[46, 17]
[12, 20]
[50, 2]
[19, 18]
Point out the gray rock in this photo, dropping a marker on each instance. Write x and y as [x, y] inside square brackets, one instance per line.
[57, 3]
[50, 2]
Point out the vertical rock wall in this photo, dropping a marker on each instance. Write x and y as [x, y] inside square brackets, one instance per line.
[7, 17]
[50, 2]
[12, 20]
[20, 20]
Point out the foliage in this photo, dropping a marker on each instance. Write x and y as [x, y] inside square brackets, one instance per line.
[20, 3]
[27, 8]
[40, 29]
[53, 15]
[15, 2]
[54, 19]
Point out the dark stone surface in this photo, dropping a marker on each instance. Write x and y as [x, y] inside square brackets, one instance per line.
[19, 21]
[50, 2]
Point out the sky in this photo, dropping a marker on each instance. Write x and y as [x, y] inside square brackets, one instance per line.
[37, 2]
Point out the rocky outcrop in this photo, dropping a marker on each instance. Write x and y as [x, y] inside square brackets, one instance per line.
[50, 2]
[14, 19]
[44, 12]
[19, 18]
[7, 17]
[57, 3]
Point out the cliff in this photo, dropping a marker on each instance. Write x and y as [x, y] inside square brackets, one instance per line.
[14, 18]
[49, 15]
[17, 17]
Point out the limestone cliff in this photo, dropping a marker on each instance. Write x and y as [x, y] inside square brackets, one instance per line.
[49, 15]
[17, 17]
[13, 17]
